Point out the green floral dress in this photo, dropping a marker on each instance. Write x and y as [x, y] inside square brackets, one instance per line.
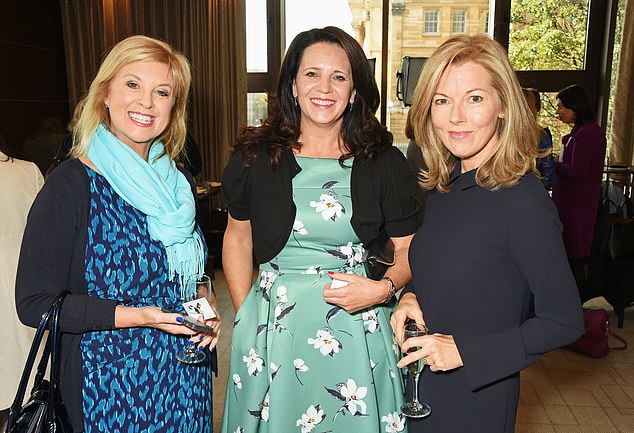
[299, 364]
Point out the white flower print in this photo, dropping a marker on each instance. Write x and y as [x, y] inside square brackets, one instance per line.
[239, 430]
[300, 366]
[281, 295]
[370, 321]
[236, 381]
[354, 255]
[265, 408]
[311, 270]
[372, 364]
[328, 206]
[395, 423]
[354, 396]
[309, 420]
[325, 342]
[266, 282]
[254, 362]
[298, 227]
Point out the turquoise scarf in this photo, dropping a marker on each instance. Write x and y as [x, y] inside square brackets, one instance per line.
[159, 190]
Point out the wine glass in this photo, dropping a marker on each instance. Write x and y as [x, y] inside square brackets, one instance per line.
[414, 408]
[203, 290]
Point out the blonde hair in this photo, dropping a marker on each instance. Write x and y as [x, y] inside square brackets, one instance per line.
[91, 110]
[518, 131]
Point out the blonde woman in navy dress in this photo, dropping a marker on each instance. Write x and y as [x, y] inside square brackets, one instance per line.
[490, 276]
[115, 226]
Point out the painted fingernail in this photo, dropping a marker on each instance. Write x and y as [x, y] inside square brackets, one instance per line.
[179, 319]
[200, 337]
[201, 347]
[331, 273]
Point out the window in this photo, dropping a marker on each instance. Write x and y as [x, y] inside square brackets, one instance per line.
[431, 20]
[458, 21]
[483, 23]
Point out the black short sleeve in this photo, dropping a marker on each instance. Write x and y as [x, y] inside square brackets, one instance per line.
[235, 178]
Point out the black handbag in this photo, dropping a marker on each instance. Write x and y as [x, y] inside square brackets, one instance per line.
[44, 411]
[378, 256]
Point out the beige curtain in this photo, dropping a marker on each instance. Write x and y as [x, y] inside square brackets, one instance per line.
[622, 131]
[212, 34]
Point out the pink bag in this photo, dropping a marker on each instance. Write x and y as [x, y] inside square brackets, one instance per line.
[594, 342]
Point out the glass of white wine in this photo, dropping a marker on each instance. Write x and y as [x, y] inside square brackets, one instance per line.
[191, 354]
[414, 408]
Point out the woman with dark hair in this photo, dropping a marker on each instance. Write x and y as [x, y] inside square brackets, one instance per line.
[306, 191]
[578, 174]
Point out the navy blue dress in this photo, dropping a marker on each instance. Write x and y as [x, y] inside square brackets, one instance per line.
[132, 381]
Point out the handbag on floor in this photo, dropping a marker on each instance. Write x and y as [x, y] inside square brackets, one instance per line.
[594, 342]
[43, 412]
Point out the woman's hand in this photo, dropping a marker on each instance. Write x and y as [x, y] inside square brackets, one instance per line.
[438, 351]
[358, 294]
[408, 309]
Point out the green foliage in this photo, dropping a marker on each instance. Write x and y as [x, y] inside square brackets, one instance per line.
[548, 34]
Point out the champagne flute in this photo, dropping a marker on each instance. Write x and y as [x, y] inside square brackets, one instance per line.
[414, 408]
[203, 290]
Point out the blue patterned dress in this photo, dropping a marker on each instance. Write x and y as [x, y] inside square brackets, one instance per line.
[132, 381]
[299, 364]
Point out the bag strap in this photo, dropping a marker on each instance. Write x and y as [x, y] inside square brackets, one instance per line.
[53, 309]
[618, 337]
[53, 383]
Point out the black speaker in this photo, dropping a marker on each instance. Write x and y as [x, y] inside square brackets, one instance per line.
[407, 78]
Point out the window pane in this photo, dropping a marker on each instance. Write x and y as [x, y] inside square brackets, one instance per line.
[431, 21]
[548, 34]
[257, 108]
[458, 21]
[257, 50]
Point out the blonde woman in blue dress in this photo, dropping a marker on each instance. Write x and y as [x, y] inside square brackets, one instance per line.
[305, 192]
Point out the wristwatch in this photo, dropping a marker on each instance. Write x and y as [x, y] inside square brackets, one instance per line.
[392, 291]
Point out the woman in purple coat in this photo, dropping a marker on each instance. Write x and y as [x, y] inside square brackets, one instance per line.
[578, 174]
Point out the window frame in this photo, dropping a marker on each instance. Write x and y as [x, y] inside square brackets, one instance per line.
[430, 22]
[462, 23]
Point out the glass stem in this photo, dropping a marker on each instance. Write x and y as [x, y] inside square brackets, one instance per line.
[415, 393]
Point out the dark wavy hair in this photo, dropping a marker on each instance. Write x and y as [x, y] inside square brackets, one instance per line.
[362, 134]
[576, 99]
[5, 149]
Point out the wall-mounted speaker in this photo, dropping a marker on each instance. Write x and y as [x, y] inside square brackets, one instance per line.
[407, 78]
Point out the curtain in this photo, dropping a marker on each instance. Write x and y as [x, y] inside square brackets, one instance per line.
[212, 34]
[622, 131]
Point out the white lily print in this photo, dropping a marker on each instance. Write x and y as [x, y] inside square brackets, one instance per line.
[265, 408]
[328, 206]
[311, 270]
[266, 282]
[309, 420]
[325, 342]
[239, 430]
[354, 397]
[395, 423]
[281, 295]
[237, 384]
[298, 227]
[354, 255]
[300, 366]
[254, 362]
[370, 321]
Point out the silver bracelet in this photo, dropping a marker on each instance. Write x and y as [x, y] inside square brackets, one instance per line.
[392, 291]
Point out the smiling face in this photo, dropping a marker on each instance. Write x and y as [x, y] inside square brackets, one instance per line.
[140, 100]
[465, 113]
[323, 85]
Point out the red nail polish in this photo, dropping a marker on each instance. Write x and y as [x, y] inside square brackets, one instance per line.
[331, 273]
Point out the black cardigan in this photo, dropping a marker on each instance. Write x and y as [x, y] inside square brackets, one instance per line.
[52, 259]
[382, 198]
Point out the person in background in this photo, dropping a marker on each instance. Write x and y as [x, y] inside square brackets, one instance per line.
[306, 191]
[114, 226]
[20, 181]
[545, 161]
[490, 276]
[414, 157]
[578, 176]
